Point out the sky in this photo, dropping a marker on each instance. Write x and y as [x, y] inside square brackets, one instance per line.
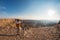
[30, 9]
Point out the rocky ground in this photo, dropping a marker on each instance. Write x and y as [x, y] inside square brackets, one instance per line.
[43, 33]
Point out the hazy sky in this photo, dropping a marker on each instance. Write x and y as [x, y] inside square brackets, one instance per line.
[30, 9]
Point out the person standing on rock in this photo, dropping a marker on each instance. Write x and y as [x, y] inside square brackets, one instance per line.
[18, 25]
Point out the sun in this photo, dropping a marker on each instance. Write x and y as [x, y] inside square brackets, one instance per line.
[51, 12]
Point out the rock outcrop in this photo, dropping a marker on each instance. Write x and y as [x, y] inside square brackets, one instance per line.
[9, 31]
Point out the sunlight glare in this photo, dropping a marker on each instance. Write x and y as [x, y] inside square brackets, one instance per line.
[51, 12]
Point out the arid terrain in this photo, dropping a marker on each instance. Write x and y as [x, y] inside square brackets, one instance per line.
[27, 31]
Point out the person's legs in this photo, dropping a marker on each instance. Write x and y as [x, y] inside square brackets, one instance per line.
[17, 25]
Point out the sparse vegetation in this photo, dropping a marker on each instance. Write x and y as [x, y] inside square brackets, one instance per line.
[30, 32]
